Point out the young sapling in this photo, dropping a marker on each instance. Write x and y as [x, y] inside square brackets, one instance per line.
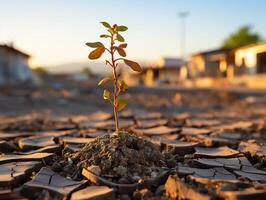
[117, 47]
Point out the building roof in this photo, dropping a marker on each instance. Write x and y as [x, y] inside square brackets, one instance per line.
[214, 51]
[12, 49]
[251, 45]
[166, 62]
[220, 50]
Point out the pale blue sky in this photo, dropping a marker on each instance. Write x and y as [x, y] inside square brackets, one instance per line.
[54, 31]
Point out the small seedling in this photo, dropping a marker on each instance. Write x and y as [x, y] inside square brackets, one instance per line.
[119, 85]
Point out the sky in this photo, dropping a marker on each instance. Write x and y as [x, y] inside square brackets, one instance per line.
[54, 32]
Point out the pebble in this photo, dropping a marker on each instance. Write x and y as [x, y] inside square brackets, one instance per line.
[95, 169]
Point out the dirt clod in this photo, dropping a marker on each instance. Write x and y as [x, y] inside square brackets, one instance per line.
[123, 157]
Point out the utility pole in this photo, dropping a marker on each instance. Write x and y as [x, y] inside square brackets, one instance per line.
[182, 16]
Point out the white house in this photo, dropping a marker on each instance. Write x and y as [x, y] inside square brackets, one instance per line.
[14, 66]
[251, 57]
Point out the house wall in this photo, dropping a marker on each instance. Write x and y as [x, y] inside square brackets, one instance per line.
[171, 75]
[210, 65]
[196, 65]
[132, 79]
[2, 62]
[149, 78]
[14, 67]
[247, 57]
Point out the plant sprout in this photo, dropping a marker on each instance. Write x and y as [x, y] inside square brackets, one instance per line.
[115, 49]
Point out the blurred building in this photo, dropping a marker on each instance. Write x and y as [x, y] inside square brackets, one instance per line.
[14, 66]
[250, 59]
[162, 71]
[218, 63]
[210, 63]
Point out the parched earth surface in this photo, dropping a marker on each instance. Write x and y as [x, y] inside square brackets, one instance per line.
[181, 145]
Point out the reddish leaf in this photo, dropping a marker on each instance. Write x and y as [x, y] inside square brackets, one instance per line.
[97, 53]
[121, 51]
[124, 45]
[133, 65]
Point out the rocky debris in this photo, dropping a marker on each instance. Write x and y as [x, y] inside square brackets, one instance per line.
[121, 157]
[57, 186]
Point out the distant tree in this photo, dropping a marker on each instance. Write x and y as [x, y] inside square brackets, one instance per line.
[87, 71]
[243, 36]
[41, 71]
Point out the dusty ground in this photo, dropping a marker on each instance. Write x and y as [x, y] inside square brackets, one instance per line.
[212, 144]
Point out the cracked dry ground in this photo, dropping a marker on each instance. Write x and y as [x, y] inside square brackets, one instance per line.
[214, 145]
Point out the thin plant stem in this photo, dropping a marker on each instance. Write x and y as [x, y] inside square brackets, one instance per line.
[116, 91]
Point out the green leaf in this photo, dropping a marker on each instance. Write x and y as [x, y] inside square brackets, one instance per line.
[106, 95]
[106, 24]
[97, 53]
[121, 51]
[104, 36]
[133, 65]
[95, 44]
[120, 38]
[105, 80]
[124, 45]
[120, 103]
[121, 28]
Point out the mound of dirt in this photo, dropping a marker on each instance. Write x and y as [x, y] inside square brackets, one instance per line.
[124, 158]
